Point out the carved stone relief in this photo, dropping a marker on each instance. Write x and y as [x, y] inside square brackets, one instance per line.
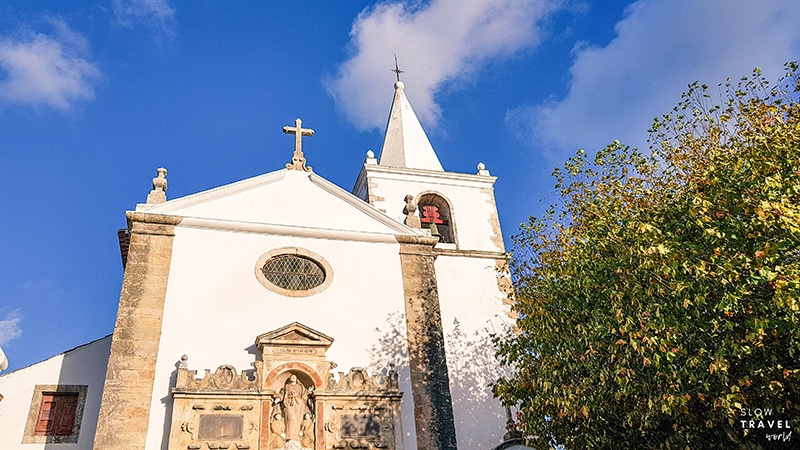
[362, 411]
[290, 400]
[221, 410]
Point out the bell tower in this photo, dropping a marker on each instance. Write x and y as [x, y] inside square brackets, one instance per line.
[458, 208]
[408, 183]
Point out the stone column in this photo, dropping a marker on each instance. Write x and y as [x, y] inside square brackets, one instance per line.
[430, 385]
[125, 408]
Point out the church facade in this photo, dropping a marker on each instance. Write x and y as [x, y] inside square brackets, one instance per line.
[283, 312]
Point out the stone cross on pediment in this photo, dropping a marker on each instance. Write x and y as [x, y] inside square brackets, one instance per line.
[298, 160]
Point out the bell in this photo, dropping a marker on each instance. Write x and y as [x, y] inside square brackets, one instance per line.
[435, 231]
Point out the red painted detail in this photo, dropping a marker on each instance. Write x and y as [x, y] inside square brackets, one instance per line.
[266, 419]
[430, 214]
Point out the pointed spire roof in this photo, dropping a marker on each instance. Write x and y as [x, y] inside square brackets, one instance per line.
[405, 143]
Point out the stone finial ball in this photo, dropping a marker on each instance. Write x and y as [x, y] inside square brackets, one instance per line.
[399, 85]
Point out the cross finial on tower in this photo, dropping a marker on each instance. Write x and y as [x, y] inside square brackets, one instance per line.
[298, 160]
[396, 69]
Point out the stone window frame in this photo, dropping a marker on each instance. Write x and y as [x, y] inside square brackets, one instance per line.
[451, 211]
[296, 251]
[39, 390]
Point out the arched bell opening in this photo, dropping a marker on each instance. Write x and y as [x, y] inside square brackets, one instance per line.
[436, 214]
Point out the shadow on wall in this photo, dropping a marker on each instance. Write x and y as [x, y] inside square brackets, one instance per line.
[472, 369]
[168, 405]
[391, 349]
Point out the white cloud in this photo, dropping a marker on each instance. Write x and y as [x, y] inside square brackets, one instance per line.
[660, 47]
[9, 327]
[436, 43]
[157, 14]
[46, 69]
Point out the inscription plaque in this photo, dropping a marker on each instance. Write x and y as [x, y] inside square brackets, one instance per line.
[364, 426]
[220, 426]
[304, 351]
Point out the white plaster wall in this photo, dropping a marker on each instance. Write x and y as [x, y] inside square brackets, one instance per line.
[469, 294]
[215, 307]
[85, 365]
[287, 197]
[471, 208]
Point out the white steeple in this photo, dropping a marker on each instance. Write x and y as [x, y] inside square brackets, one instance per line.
[405, 143]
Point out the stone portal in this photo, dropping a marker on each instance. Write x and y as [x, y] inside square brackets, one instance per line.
[290, 400]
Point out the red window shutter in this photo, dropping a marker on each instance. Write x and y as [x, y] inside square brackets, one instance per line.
[56, 415]
[46, 412]
[65, 416]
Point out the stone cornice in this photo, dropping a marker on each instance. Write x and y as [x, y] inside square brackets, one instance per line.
[285, 230]
[472, 253]
[149, 223]
[163, 219]
[417, 240]
[427, 176]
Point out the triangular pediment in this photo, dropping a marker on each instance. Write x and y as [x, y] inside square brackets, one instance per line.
[294, 334]
[285, 198]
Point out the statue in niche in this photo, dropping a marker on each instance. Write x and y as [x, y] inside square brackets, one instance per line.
[293, 399]
[278, 428]
[307, 432]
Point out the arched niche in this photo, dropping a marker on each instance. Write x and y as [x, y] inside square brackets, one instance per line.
[434, 208]
[306, 375]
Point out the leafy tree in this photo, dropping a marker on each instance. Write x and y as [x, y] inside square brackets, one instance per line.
[661, 295]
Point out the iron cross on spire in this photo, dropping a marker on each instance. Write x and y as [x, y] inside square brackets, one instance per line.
[298, 160]
[396, 69]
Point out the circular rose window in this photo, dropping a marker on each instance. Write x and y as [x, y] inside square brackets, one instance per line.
[293, 272]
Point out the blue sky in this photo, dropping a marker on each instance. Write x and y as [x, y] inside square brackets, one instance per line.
[95, 95]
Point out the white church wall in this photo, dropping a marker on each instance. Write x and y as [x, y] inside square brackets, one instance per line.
[82, 366]
[215, 307]
[469, 294]
[286, 197]
[472, 308]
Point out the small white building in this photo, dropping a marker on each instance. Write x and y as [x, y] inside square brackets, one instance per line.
[267, 288]
[3, 360]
